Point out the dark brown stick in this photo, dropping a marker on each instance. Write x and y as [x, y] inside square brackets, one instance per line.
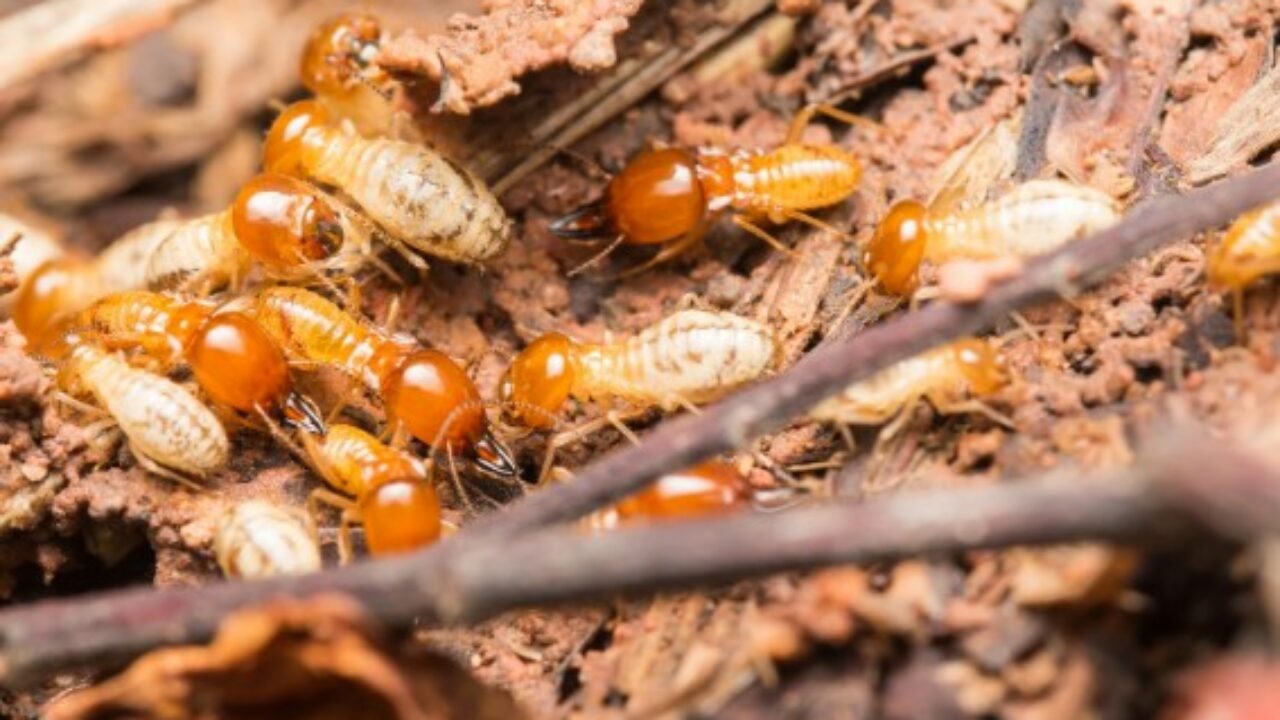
[437, 583]
[474, 581]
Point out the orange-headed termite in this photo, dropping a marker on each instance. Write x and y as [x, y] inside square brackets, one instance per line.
[1033, 218]
[671, 197]
[394, 501]
[237, 363]
[423, 391]
[952, 378]
[416, 196]
[1249, 250]
[692, 356]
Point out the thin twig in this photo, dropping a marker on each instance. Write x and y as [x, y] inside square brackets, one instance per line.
[1149, 502]
[891, 67]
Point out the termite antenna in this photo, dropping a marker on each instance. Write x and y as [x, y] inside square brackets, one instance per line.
[597, 258]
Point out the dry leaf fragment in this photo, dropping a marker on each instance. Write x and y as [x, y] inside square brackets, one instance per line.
[300, 659]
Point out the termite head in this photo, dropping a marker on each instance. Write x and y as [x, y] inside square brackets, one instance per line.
[709, 488]
[657, 197]
[298, 135]
[983, 367]
[399, 515]
[284, 222]
[186, 320]
[893, 256]
[540, 380]
[238, 364]
[341, 53]
[429, 395]
[41, 300]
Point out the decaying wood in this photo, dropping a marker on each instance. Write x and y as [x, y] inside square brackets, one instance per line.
[50, 34]
[615, 91]
[463, 578]
[1249, 127]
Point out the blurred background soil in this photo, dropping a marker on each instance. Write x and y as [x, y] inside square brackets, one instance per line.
[165, 113]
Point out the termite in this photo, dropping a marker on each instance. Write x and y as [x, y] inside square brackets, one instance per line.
[170, 432]
[690, 357]
[415, 195]
[64, 286]
[257, 540]
[709, 488]
[338, 68]
[394, 502]
[671, 197]
[1249, 250]
[237, 363]
[1033, 218]
[952, 378]
[423, 391]
[290, 228]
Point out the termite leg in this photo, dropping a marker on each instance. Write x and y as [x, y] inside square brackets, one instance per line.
[461, 491]
[856, 299]
[764, 235]
[594, 259]
[616, 421]
[156, 468]
[346, 549]
[675, 248]
[973, 406]
[280, 436]
[95, 432]
[1237, 305]
[806, 113]
[92, 411]
[812, 221]
[923, 295]
[345, 505]
[899, 421]
[846, 433]
[567, 437]
[1024, 325]
[393, 314]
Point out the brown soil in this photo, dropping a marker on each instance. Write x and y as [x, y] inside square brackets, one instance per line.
[173, 120]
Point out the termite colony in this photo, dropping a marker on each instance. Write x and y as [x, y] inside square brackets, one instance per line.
[186, 333]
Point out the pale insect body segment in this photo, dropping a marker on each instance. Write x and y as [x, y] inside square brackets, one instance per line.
[350, 460]
[693, 356]
[256, 539]
[792, 177]
[313, 329]
[165, 424]
[203, 249]
[945, 376]
[418, 197]
[1032, 219]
